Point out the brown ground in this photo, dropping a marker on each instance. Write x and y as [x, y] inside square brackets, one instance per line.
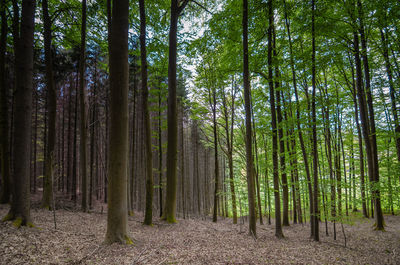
[78, 240]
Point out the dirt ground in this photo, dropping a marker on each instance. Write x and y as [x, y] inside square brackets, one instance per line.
[79, 236]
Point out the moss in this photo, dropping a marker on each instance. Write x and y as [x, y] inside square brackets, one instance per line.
[18, 222]
[130, 213]
[8, 217]
[30, 224]
[128, 241]
[171, 219]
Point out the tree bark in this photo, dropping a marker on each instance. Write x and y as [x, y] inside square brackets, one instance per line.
[249, 155]
[145, 94]
[314, 129]
[370, 127]
[118, 141]
[20, 205]
[278, 225]
[83, 111]
[5, 192]
[47, 200]
[170, 203]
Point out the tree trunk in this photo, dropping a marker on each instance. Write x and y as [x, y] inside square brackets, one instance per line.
[392, 93]
[47, 200]
[314, 130]
[20, 205]
[83, 106]
[5, 192]
[249, 155]
[216, 165]
[285, 220]
[278, 225]
[370, 131]
[145, 94]
[170, 203]
[118, 142]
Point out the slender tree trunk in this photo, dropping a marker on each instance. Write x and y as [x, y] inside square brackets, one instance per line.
[69, 136]
[47, 200]
[229, 142]
[298, 118]
[145, 94]
[314, 130]
[160, 154]
[374, 163]
[216, 164]
[35, 143]
[249, 155]
[75, 157]
[118, 142]
[83, 118]
[278, 225]
[170, 203]
[392, 93]
[285, 189]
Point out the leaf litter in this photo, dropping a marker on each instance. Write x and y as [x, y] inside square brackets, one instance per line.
[79, 240]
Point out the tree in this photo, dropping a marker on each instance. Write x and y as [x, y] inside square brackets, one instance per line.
[20, 205]
[170, 203]
[118, 141]
[278, 225]
[5, 192]
[145, 92]
[83, 118]
[249, 155]
[314, 130]
[52, 104]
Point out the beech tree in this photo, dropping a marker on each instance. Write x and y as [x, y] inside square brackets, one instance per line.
[118, 143]
[20, 204]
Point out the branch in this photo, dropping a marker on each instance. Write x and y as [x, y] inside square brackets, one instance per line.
[182, 6]
[203, 7]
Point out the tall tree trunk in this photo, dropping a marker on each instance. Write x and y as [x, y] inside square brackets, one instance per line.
[229, 142]
[74, 154]
[160, 155]
[298, 117]
[69, 136]
[170, 203]
[370, 126]
[216, 164]
[5, 192]
[256, 161]
[145, 94]
[278, 225]
[118, 142]
[360, 144]
[282, 160]
[249, 155]
[83, 106]
[314, 129]
[392, 93]
[47, 200]
[20, 205]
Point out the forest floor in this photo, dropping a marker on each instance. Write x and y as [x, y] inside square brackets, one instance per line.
[79, 240]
